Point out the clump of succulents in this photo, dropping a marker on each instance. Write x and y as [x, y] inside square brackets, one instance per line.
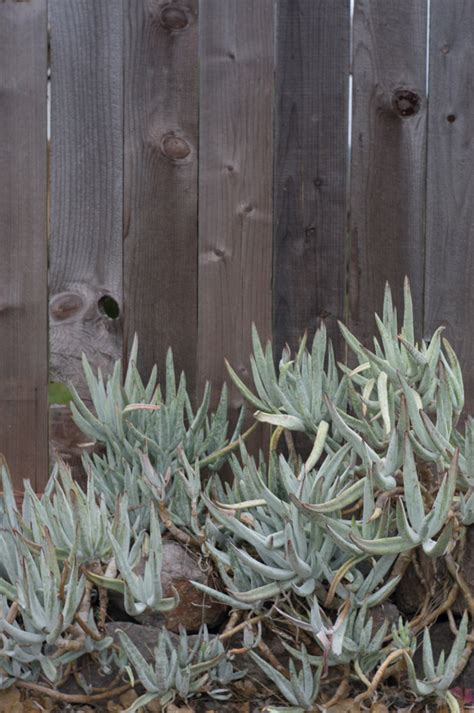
[310, 547]
[183, 668]
[438, 678]
[133, 421]
[388, 473]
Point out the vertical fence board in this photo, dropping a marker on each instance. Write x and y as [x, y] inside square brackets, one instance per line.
[160, 198]
[235, 183]
[311, 156]
[450, 186]
[23, 236]
[87, 184]
[388, 156]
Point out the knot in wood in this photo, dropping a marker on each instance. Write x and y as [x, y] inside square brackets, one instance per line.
[175, 147]
[406, 102]
[174, 17]
[65, 305]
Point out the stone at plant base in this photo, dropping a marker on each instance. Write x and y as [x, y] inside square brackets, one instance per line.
[467, 570]
[89, 672]
[145, 638]
[180, 566]
[386, 611]
[410, 593]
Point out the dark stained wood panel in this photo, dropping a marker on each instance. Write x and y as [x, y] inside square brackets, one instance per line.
[160, 189]
[388, 173]
[311, 165]
[23, 241]
[86, 185]
[449, 296]
[235, 183]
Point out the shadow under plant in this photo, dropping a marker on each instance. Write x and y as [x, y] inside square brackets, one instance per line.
[320, 576]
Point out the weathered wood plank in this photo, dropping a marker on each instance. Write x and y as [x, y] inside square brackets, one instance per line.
[86, 184]
[23, 241]
[449, 297]
[388, 156]
[160, 194]
[235, 183]
[311, 163]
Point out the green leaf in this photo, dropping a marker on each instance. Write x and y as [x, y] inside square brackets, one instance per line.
[346, 497]
[383, 400]
[408, 329]
[318, 446]
[411, 485]
[142, 701]
[266, 591]
[291, 423]
[142, 667]
[221, 596]
[455, 655]
[59, 394]
[244, 390]
[382, 546]
[276, 677]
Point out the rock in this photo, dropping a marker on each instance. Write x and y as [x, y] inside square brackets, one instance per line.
[124, 702]
[386, 611]
[145, 638]
[467, 569]
[89, 672]
[410, 592]
[180, 566]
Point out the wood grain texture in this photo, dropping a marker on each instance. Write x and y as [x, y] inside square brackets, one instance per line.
[388, 173]
[450, 186]
[160, 190]
[23, 241]
[235, 183]
[311, 162]
[86, 183]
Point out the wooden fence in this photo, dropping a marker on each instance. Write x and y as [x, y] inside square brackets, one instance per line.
[199, 176]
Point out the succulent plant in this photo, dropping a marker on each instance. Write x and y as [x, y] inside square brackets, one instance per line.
[439, 678]
[399, 355]
[306, 546]
[293, 399]
[141, 590]
[180, 669]
[132, 415]
[403, 637]
[414, 526]
[266, 544]
[301, 688]
[45, 606]
[132, 419]
[77, 522]
[349, 639]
